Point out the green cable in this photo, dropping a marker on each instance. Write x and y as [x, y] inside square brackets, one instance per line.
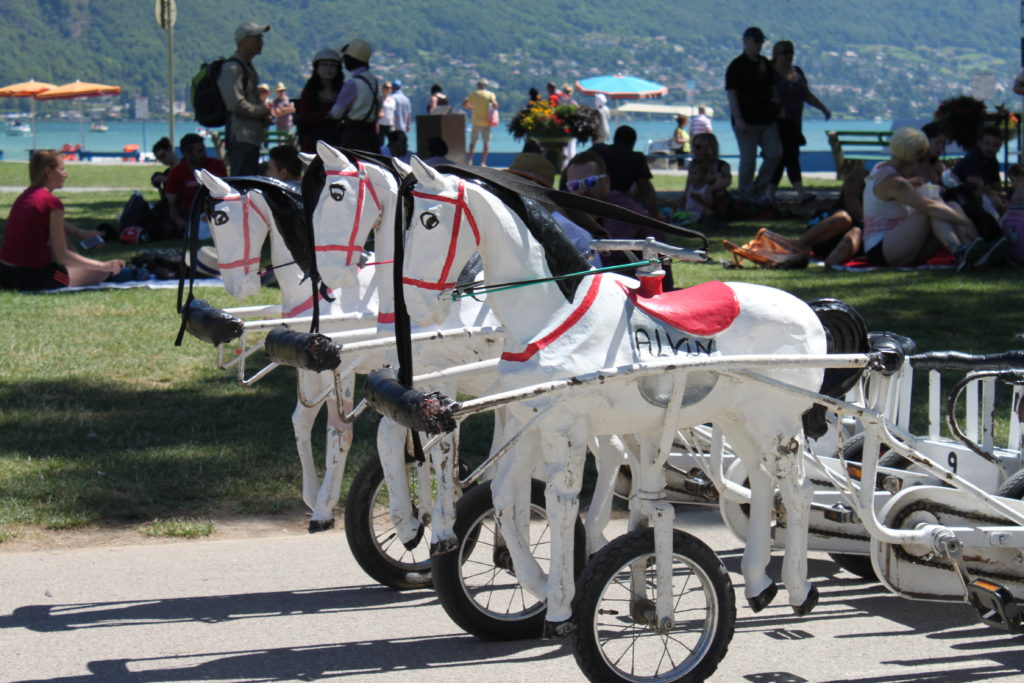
[463, 291]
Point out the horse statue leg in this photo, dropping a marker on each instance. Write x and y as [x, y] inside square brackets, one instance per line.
[391, 443]
[797, 491]
[510, 496]
[302, 425]
[609, 453]
[339, 442]
[564, 452]
[759, 588]
[443, 458]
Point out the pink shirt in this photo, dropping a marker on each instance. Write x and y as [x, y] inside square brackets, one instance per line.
[27, 236]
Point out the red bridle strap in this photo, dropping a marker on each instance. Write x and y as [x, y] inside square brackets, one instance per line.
[246, 261]
[461, 208]
[365, 187]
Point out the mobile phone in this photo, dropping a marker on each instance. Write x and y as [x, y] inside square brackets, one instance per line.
[91, 242]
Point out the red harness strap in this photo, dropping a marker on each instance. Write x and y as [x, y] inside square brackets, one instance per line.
[574, 317]
[365, 187]
[246, 261]
[461, 209]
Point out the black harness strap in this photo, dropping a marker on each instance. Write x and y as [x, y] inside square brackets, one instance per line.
[567, 200]
[191, 247]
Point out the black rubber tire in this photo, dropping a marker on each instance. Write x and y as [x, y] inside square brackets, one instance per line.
[476, 584]
[853, 451]
[371, 535]
[609, 636]
[1013, 487]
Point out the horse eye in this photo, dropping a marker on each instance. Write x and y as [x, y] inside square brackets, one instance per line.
[429, 220]
[337, 192]
[220, 217]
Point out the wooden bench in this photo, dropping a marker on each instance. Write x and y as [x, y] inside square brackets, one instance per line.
[851, 148]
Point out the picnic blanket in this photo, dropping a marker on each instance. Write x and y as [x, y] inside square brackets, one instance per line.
[942, 259]
[150, 284]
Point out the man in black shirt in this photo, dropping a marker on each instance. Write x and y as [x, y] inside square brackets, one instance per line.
[980, 168]
[754, 104]
[628, 171]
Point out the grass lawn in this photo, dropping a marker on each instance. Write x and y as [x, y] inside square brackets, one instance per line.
[104, 420]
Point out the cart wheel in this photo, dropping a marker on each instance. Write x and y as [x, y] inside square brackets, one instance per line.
[1013, 487]
[616, 640]
[477, 585]
[853, 450]
[373, 538]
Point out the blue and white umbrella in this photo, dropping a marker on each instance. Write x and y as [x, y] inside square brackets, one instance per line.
[619, 87]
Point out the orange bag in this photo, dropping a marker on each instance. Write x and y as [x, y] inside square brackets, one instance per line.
[770, 250]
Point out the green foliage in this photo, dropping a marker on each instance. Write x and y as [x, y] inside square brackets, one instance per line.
[904, 62]
[178, 527]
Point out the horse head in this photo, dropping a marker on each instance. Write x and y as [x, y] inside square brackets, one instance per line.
[441, 237]
[239, 228]
[348, 205]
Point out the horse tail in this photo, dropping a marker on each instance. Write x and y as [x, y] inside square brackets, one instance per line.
[845, 332]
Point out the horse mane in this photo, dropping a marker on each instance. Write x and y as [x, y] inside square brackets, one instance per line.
[289, 213]
[560, 254]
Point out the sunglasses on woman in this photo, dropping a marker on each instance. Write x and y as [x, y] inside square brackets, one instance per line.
[589, 181]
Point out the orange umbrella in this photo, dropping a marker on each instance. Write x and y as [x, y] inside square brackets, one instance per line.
[78, 89]
[26, 89]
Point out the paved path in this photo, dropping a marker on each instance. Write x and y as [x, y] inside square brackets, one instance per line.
[293, 607]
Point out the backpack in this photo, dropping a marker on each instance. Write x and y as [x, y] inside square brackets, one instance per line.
[207, 102]
[770, 250]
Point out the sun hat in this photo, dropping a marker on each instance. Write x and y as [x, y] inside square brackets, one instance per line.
[755, 34]
[263, 86]
[358, 49]
[533, 167]
[327, 54]
[249, 29]
[280, 86]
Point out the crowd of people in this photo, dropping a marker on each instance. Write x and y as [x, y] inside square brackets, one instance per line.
[902, 212]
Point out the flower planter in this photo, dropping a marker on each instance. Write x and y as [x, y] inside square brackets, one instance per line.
[554, 148]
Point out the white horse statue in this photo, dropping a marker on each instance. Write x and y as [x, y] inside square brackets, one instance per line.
[356, 199]
[556, 330]
[240, 223]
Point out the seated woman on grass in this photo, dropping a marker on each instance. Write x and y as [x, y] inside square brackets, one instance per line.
[36, 253]
[904, 228]
[708, 179]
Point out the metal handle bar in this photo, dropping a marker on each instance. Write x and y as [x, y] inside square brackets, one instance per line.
[651, 248]
[956, 360]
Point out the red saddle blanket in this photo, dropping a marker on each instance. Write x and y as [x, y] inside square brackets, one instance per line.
[703, 310]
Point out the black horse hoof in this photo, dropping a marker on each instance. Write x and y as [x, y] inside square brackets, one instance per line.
[438, 548]
[557, 630]
[415, 541]
[759, 602]
[316, 525]
[808, 604]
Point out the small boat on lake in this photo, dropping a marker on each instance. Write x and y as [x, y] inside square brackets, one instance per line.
[98, 127]
[18, 128]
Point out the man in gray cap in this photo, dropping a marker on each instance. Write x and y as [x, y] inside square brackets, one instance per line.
[359, 100]
[249, 119]
[754, 105]
[403, 108]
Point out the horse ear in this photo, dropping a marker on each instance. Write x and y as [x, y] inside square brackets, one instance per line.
[217, 187]
[427, 176]
[306, 158]
[403, 168]
[332, 158]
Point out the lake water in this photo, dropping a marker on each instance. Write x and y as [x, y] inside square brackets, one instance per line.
[52, 134]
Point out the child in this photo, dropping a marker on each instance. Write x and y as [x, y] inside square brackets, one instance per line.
[708, 179]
